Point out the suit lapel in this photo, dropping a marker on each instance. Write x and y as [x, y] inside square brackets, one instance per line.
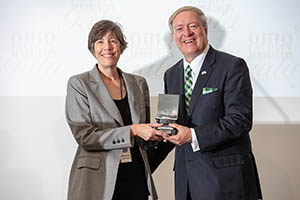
[180, 77]
[101, 91]
[203, 77]
[131, 88]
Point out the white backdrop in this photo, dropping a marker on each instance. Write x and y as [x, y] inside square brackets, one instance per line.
[43, 43]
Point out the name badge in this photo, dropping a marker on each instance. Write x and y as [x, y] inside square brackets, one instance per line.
[126, 156]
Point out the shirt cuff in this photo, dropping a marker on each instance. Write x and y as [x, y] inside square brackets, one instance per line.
[194, 143]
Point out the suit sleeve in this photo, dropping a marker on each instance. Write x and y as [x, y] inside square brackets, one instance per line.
[84, 130]
[235, 120]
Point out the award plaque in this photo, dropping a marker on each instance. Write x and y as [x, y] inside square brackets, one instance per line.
[167, 112]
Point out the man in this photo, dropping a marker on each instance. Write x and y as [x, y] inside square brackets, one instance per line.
[213, 157]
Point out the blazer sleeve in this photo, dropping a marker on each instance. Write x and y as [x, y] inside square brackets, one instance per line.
[145, 92]
[85, 131]
[234, 119]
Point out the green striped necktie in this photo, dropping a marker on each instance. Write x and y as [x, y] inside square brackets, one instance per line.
[188, 86]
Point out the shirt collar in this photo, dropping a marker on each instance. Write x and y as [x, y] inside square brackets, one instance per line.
[197, 62]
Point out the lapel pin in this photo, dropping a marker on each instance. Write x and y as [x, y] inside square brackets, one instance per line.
[203, 72]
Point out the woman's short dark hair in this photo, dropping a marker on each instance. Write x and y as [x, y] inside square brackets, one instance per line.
[100, 29]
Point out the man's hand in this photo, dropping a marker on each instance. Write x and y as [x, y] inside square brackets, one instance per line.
[183, 135]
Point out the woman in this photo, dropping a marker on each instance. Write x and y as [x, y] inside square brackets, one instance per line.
[107, 111]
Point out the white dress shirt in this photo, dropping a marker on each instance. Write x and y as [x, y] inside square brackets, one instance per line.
[195, 65]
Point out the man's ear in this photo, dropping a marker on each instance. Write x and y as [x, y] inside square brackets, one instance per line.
[205, 30]
[172, 35]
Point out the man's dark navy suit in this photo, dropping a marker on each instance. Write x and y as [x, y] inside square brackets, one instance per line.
[224, 168]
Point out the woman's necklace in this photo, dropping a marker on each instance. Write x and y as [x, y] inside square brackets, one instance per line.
[120, 78]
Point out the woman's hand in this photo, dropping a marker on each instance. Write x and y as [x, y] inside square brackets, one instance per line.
[147, 131]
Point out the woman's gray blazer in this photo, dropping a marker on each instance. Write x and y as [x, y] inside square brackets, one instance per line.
[98, 129]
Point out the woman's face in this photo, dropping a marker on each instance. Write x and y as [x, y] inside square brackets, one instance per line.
[107, 50]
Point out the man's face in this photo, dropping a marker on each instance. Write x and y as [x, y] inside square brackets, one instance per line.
[107, 50]
[189, 34]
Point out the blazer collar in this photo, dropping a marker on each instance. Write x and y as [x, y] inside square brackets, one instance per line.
[203, 77]
[132, 92]
[101, 91]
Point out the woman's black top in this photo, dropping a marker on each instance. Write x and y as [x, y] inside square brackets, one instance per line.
[134, 170]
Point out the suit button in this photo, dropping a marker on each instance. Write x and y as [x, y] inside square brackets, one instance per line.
[114, 142]
[122, 140]
[118, 141]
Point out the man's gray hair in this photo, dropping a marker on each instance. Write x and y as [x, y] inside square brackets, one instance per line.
[188, 8]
